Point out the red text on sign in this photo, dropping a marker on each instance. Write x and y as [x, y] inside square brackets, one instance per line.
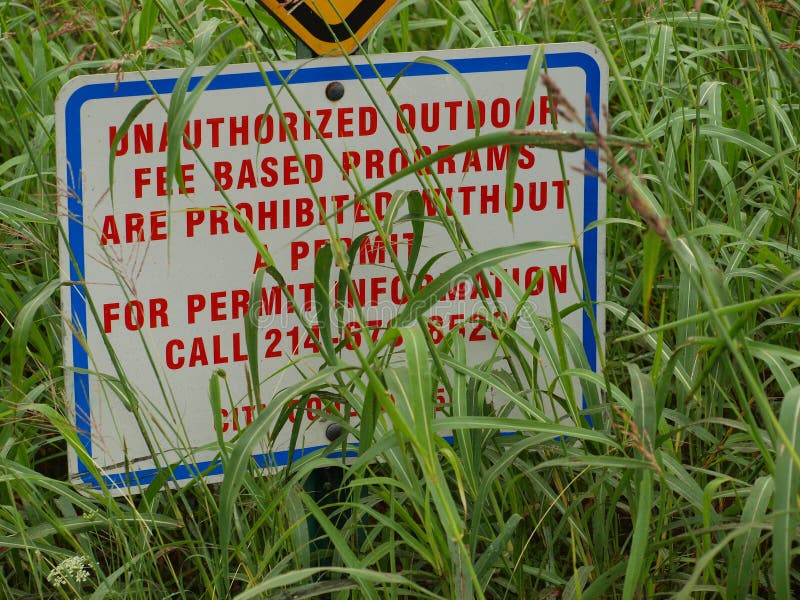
[376, 163]
[268, 172]
[204, 351]
[372, 250]
[500, 113]
[136, 314]
[143, 180]
[136, 227]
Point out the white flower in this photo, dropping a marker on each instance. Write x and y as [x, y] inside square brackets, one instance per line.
[74, 569]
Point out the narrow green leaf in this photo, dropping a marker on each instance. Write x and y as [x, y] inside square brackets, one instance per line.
[432, 293]
[774, 356]
[393, 209]
[11, 210]
[460, 406]
[650, 260]
[251, 335]
[22, 330]
[84, 522]
[787, 483]
[521, 123]
[419, 280]
[416, 212]
[557, 328]
[69, 433]
[182, 103]
[554, 430]
[739, 139]
[362, 576]
[553, 140]
[148, 18]
[591, 393]
[121, 133]
[452, 72]
[681, 482]
[644, 407]
[487, 562]
[215, 399]
[507, 393]
[637, 571]
[742, 574]
[576, 584]
[412, 388]
[322, 298]
[344, 278]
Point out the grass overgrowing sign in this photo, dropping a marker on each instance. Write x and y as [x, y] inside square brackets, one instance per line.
[353, 191]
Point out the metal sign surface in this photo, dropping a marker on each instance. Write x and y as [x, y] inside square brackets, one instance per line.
[165, 280]
[329, 26]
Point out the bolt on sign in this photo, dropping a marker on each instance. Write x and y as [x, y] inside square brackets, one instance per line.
[329, 26]
[161, 274]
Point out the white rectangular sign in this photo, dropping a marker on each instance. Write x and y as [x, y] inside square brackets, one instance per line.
[168, 278]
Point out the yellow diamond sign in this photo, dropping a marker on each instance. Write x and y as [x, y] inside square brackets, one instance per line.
[329, 26]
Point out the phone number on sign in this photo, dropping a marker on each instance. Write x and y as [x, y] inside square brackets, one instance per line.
[474, 328]
[220, 349]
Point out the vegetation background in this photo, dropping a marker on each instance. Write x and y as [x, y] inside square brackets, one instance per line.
[686, 486]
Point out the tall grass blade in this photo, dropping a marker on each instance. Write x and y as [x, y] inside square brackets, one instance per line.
[638, 559]
[19, 338]
[787, 484]
[431, 293]
[182, 101]
[742, 575]
[644, 409]
[486, 564]
[251, 335]
[521, 122]
[322, 298]
[122, 131]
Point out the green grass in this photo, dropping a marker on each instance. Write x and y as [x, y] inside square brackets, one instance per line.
[687, 485]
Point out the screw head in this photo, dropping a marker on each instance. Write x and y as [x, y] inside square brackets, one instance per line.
[333, 431]
[334, 91]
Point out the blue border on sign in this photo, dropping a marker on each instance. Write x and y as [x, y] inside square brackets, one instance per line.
[127, 89]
